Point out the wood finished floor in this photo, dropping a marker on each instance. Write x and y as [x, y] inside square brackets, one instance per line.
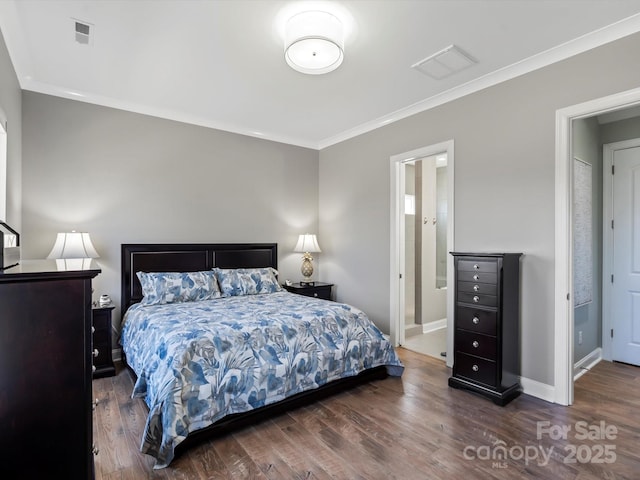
[414, 427]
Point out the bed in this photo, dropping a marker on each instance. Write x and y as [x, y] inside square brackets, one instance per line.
[214, 341]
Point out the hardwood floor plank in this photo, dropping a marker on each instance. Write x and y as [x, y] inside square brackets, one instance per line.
[264, 453]
[413, 427]
[316, 456]
[239, 463]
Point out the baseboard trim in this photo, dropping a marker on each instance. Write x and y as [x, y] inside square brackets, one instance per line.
[586, 363]
[433, 326]
[116, 354]
[538, 389]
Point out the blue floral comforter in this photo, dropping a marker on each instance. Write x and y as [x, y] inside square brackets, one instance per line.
[197, 362]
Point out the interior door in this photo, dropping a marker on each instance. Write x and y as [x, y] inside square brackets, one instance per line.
[626, 256]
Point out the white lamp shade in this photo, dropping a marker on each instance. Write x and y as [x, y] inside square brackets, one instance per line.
[314, 42]
[307, 243]
[73, 245]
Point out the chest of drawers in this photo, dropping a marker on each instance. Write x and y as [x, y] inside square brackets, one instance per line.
[487, 325]
[45, 372]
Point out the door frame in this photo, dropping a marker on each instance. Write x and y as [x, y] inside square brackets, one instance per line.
[564, 318]
[396, 283]
[607, 240]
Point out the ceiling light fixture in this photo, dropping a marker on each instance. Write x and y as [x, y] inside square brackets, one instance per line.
[314, 42]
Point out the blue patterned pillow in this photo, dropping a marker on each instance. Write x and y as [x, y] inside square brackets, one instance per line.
[175, 287]
[247, 281]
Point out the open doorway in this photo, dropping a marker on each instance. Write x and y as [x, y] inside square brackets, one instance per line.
[425, 245]
[569, 326]
[421, 237]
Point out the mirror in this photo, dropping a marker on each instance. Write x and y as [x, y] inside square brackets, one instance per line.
[441, 221]
[3, 171]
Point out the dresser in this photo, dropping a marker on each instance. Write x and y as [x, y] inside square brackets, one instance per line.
[46, 358]
[317, 290]
[487, 325]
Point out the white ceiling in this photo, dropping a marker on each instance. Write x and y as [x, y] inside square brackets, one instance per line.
[221, 64]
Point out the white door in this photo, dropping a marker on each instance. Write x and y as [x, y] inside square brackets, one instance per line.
[625, 298]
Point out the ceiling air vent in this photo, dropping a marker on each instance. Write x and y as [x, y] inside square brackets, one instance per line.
[82, 32]
[444, 63]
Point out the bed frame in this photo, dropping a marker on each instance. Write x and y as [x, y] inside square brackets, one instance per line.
[191, 257]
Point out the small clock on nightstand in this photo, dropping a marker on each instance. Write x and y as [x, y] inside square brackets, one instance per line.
[102, 359]
[317, 290]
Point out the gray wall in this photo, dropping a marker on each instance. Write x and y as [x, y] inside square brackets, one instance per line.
[504, 192]
[619, 131]
[588, 317]
[127, 178]
[11, 110]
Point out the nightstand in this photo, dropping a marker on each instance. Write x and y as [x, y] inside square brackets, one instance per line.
[102, 360]
[318, 290]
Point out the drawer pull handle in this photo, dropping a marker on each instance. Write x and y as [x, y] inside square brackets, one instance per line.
[96, 352]
[476, 266]
[475, 368]
[95, 450]
[476, 288]
[475, 320]
[315, 294]
[476, 298]
[93, 368]
[475, 344]
[476, 277]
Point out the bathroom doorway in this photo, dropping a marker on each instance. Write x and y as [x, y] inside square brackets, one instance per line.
[425, 315]
[423, 234]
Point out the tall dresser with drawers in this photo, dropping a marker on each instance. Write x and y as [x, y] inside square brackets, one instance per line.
[487, 325]
[46, 409]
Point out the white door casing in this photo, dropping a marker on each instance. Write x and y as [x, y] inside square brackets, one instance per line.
[563, 321]
[621, 310]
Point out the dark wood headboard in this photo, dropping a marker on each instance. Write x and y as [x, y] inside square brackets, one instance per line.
[187, 257]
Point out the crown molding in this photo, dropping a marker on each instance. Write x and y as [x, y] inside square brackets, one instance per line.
[610, 33]
[164, 113]
[12, 33]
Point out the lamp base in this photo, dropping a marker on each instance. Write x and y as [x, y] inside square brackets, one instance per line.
[306, 270]
[307, 283]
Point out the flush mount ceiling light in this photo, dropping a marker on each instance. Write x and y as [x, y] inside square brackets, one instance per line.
[314, 42]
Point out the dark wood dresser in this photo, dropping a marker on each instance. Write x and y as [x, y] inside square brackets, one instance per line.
[487, 325]
[46, 428]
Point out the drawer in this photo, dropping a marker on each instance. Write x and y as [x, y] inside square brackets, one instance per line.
[101, 319]
[485, 288]
[104, 355]
[317, 292]
[477, 277]
[478, 266]
[477, 320]
[476, 344]
[477, 299]
[101, 337]
[475, 369]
